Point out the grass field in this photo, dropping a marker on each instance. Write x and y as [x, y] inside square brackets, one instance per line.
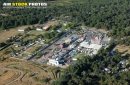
[25, 73]
[123, 48]
[34, 32]
[12, 32]
[5, 34]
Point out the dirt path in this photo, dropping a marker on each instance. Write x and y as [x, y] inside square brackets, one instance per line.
[20, 76]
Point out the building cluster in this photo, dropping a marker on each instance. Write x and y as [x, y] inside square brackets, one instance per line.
[88, 43]
[69, 46]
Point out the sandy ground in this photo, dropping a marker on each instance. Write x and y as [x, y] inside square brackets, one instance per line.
[16, 73]
[123, 48]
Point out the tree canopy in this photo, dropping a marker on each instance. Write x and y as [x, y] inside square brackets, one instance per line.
[107, 14]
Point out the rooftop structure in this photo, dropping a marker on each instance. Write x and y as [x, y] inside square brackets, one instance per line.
[95, 46]
[72, 46]
[74, 37]
[21, 29]
[17, 43]
[39, 28]
[95, 40]
[84, 44]
[72, 52]
[55, 62]
[47, 27]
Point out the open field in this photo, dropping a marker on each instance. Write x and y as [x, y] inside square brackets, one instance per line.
[123, 48]
[9, 76]
[35, 33]
[5, 34]
[25, 73]
[11, 32]
[28, 38]
[14, 31]
[53, 22]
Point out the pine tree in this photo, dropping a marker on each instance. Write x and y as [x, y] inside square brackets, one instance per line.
[3, 26]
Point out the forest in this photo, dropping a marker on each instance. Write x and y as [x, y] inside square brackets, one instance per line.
[109, 15]
[102, 69]
[112, 15]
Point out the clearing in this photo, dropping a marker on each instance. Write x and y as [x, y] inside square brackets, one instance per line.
[26, 73]
[12, 32]
[123, 49]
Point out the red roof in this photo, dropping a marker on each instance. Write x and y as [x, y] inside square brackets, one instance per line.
[47, 27]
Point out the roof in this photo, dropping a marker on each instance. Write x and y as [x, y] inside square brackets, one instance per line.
[39, 29]
[17, 43]
[21, 29]
[84, 44]
[95, 52]
[95, 46]
[91, 45]
[47, 27]
[95, 40]
[52, 61]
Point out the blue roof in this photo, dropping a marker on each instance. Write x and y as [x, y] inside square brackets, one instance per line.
[72, 53]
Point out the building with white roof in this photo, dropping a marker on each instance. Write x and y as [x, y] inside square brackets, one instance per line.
[94, 46]
[84, 44]
[91, 47]
[21, 29]
[72, 46]
[39, 29]
[53, 62]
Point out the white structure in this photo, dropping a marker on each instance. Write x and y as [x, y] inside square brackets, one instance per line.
[106, 69]
[94, 46]
[58, 30]
[74, 59]
[21, 29]
[95, 40]
[39, 29]
[80, 39]
[72, 46]
[64, 24]
[54, 62]
[84, 44]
